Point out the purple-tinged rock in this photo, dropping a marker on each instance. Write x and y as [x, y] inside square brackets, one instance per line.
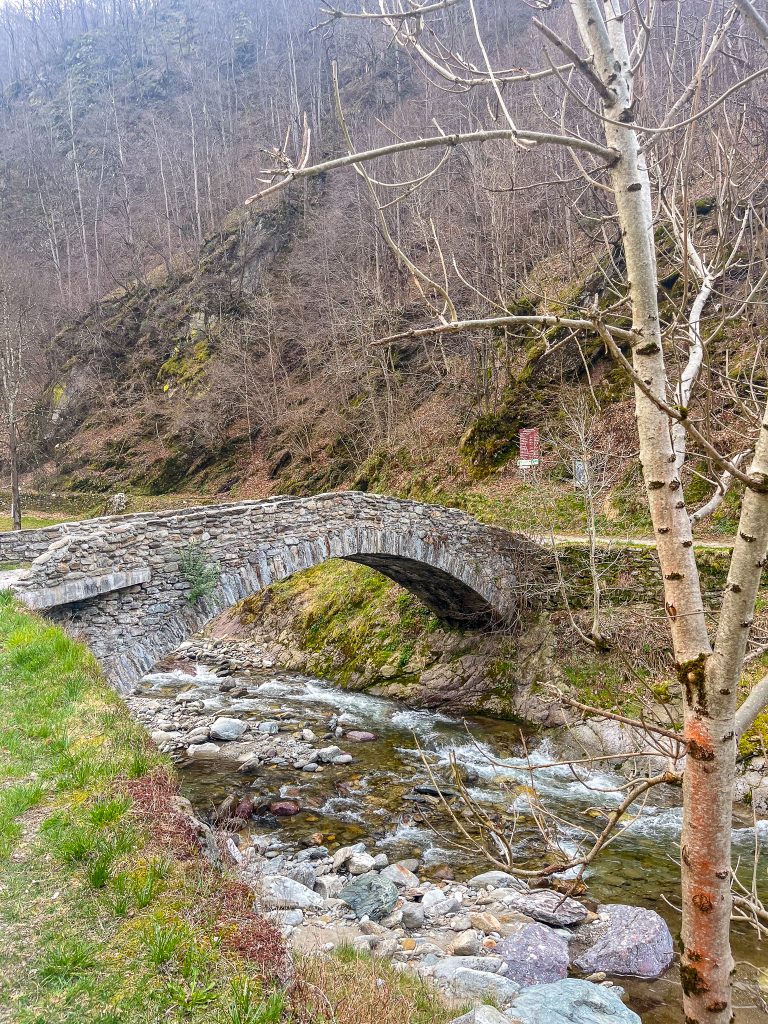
[629, 941]
[535, 955]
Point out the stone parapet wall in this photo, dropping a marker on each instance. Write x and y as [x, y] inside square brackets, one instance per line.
[631, 575]
[21, 546]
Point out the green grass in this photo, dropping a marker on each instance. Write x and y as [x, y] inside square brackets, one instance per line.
[102, 919]
[30, 522]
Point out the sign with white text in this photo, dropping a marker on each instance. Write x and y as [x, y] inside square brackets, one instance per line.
[530, 448]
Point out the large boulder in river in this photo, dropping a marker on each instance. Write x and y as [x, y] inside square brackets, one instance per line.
[281, 893]
[571, 1001]
[534, 955]
[547, 906]
[625, 941]
[284, 808]
[228, 729]
[497, 879]
[370, 896]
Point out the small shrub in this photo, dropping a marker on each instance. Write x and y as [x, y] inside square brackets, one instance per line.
[347, 954]
[201, 574]
[247, 1007]
[191, 993]
[121, 894]
[139, 765]
[68, 840]
[100, 871]
[241, 1005]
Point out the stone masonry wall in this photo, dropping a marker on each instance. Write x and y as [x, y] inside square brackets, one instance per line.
[117, 581]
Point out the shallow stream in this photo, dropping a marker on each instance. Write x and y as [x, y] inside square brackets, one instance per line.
[374, 799]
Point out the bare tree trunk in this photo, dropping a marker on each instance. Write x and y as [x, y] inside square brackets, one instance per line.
[708, 778]
[13, 458]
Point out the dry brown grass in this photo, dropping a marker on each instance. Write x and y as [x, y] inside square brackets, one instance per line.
[358, 989]
[154, 806]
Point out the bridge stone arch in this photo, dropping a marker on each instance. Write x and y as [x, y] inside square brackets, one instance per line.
[117, 581]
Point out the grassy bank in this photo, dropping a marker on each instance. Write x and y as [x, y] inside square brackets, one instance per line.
[30, 522]
[108, 912]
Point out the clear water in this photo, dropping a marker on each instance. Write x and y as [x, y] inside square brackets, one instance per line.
[369, 800]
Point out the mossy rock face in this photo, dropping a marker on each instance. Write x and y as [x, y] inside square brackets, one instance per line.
[705, 205]
[493, 438]
[754, 742]
[188, 360]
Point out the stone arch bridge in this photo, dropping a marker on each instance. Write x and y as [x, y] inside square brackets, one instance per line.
[117, 582]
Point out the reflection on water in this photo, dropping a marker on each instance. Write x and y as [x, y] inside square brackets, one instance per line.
[372, 798]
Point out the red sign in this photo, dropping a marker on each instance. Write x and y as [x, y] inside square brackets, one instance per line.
[530, 446]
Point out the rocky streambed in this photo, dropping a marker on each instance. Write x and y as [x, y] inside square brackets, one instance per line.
[331, 812]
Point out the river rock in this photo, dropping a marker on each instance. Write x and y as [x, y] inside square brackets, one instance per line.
[284, 808]
[203, 750]
[446, 968]
[286, 918]
[228, 729]
[534, 955]
[199, 735]
[485, 922]
[244, 809]
[626, 941]
[343, 759]
[360, 863]
[343, 854]
[358, 736]
[482, 1015]
[303, 873]
[162, 736]
[226, 810]
[369, 895]
[571, 1001]
[497, 879]
[547, 906]
[467, 943]
[460, 923]
[281, 893]
[268, 728]
[413, 915]
[467, 983]
[318, 852]
[400, 876]
[444, 907]
[327, 754]
[329, 886]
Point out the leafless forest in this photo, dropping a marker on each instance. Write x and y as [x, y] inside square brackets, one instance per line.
[132, 134]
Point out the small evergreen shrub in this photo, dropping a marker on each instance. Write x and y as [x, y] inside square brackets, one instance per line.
[201, 574]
